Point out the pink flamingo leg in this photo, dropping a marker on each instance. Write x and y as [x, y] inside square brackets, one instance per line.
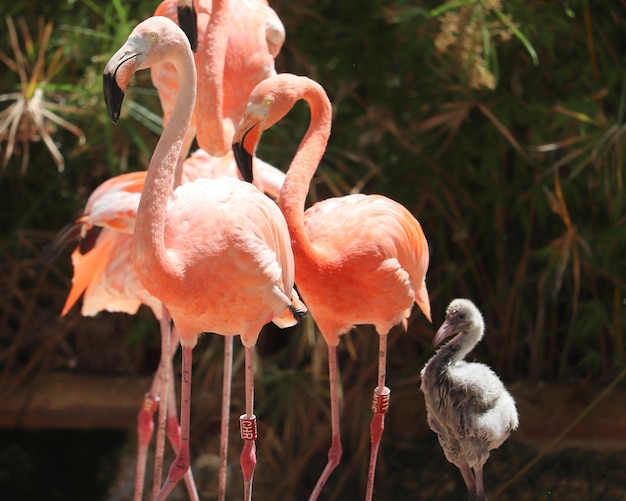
[180, 466]
[380, 405]
[145, 422]
[248, 426]
[163, 374]
[226, 391]
[335, 451]
[173, 428]
[145, 428]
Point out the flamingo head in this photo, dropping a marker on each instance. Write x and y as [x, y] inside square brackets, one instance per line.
[152, 41]
[269, 102]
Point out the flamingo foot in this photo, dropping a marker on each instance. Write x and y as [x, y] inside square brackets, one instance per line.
[179, 468]
[334, 457]
[380, 405]
[173, 435]
[248, 428]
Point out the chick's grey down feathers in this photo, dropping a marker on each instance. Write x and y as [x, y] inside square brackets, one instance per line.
[467, 405]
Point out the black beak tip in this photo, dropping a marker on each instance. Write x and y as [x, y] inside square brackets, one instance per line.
[113, 96]
[244, 162]
[188, 22]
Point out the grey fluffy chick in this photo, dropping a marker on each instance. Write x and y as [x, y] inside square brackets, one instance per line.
[468, 406]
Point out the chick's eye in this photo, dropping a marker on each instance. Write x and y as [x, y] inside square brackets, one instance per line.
[461, 316]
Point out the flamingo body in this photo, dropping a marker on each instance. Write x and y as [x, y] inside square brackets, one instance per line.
[237, 255]
[363, 273]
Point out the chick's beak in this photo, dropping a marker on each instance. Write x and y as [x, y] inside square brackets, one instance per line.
[446, 330]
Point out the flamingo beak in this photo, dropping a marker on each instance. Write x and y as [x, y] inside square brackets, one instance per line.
[244, 143]
[188, 22]
[446, 330]
[120, 68]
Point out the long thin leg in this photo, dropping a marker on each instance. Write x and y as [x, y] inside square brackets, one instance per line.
[164, 371]
[335, 451]
[226, 391]
[145, 422]
[248, 426]
[470, 481]
[173, 428]
[145, 429]
[380, 405]
[480, 488]
[180, 466]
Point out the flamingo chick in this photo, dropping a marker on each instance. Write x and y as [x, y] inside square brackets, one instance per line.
[360, 259]
[215, 252]
[468, 406]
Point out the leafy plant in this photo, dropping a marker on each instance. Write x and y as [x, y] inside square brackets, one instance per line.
[32, 116]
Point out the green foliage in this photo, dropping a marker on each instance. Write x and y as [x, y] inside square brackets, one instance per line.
[519, 187]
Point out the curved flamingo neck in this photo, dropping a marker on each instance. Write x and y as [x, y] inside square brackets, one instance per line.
[303, 166]
[464, 343]
[150, 251]
[213, 135]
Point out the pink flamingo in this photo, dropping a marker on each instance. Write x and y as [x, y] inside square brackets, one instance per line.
[215, 251]
[236, 46]
[360, 259]
[237, 43]
[104, 275]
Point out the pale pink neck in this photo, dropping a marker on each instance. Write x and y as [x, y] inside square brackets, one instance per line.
[150, 249]
[304, 164]
[213, 134]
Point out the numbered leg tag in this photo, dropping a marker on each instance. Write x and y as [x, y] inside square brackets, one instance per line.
[247, 426]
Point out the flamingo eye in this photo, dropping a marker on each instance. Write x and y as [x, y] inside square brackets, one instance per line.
[267, 102]
[153, 36]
